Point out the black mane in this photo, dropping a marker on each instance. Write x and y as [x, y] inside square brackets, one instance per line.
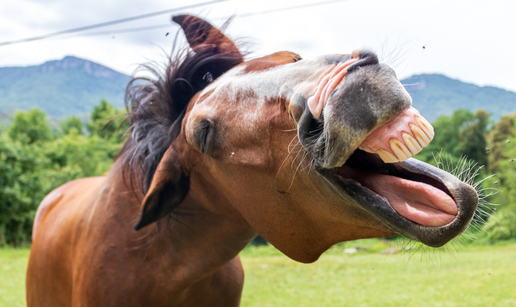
[156, 106]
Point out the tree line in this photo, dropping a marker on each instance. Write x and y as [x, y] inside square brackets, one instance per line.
[35, 159]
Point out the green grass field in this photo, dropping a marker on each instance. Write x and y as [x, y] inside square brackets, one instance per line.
[475, 276]
[13, 263]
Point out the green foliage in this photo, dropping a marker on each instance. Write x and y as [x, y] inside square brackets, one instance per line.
[70, 123]
[462, 134]
[501, 132]
[502, 138]
[81, 155]
[30, 127]
[502, 226]
[107, 122]
[34, 161]
[22, 188]
[473, 137]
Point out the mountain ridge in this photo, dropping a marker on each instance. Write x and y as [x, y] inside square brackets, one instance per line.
[72, 86]
[61, 87]
[436, 94]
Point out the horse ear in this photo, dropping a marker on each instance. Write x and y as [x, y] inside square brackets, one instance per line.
[199, 32]
[168, 189]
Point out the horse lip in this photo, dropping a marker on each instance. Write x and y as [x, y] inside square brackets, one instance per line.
[464, 195]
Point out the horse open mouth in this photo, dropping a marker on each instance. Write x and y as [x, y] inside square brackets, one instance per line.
[411, 197]
[428, 202]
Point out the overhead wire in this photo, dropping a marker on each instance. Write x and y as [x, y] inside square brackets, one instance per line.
[130, 30]
[147, 28]
[109, 23]
[302, 6]
[235, 16]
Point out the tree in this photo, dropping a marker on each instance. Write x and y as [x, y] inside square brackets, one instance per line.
[502, 131]
[30, 127]
[80, 156]
[462, 134]
[107, 122]
[22, 185]
[70, 123]
[473, 137]
[503, 159]
[33, 162]
[502, 163]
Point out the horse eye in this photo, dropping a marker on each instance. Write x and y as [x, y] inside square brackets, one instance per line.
[208, 77]
[203, 135]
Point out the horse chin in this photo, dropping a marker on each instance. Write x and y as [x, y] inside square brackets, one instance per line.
[412, 198]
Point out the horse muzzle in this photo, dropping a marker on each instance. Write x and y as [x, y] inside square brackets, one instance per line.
[351, 101]
[361, 131]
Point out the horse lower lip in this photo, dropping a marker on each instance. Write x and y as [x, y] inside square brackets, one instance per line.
[419, 202]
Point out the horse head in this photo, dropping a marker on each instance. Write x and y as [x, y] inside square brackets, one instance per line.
[308, 152]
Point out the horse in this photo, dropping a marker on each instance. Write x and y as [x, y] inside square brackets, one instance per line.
[305, 152]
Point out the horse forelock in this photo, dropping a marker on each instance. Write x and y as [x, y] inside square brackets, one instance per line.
[156, 106]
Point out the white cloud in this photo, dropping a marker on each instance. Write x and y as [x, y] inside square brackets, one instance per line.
[469, 40]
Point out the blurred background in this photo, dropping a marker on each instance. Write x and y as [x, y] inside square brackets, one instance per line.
[64, 66]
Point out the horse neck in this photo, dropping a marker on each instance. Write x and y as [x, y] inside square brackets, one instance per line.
[199, 237]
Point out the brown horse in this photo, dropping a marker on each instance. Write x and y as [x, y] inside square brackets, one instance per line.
[306, 153]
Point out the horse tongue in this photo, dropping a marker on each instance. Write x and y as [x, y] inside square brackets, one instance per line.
[399, 138]
[417, 201]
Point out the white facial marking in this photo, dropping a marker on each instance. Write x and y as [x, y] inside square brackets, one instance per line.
[244, 93]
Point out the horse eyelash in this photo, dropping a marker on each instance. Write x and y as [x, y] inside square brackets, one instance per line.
[208, 77]
[203, 135]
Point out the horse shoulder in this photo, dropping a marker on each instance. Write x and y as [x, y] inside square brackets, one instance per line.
[49, 273]
[54, 198]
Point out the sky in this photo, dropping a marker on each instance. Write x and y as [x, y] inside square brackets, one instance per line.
[469, 40]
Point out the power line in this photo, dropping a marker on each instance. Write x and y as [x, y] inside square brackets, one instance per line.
[138, 29]
[168, 25]
[302, 6]
[109, 23]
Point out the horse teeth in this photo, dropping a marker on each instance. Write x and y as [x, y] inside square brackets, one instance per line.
[386, 156]
[421, 137]
[411, 143]
[426, 127]
[400, 150]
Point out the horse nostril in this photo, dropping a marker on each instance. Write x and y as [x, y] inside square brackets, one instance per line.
[309, 128]
[365, 58]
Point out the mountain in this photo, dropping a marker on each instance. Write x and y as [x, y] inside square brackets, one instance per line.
[60, 88]
[73, 86]
[435, 95]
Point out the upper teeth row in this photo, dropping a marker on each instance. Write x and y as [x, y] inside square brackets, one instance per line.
[423, 134]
